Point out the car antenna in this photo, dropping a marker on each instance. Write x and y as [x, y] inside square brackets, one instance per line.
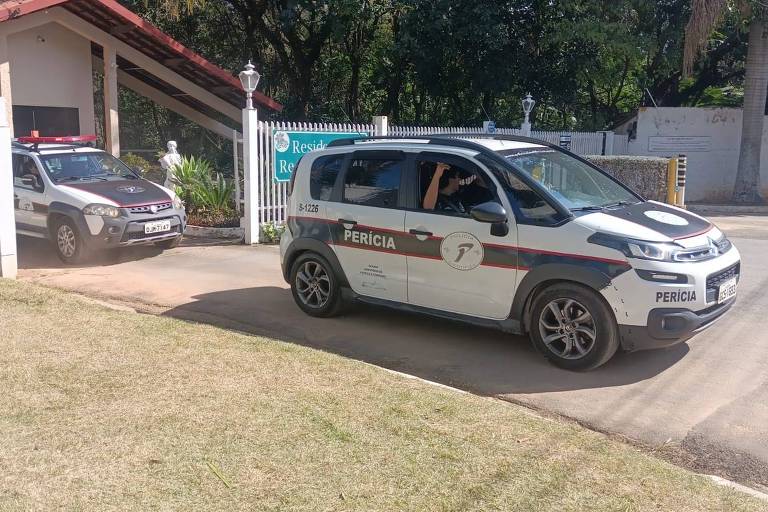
[361, 134]
[485, 112]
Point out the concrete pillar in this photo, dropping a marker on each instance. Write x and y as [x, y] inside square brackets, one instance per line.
[251, 175]
[111, 118]
[5, 81]
[607, 142]
[8, 263]
[381, 124]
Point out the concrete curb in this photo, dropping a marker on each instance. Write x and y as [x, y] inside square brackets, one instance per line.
[206, 232]
[705, 209]
[733, 485]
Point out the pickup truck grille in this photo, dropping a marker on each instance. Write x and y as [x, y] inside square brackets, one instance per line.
[715, 280]
[147, 208]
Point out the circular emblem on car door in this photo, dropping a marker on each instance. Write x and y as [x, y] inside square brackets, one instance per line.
[462, 251]
[131, 189]
[666, 218]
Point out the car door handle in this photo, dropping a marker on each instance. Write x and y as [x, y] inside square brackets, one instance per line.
[345, 221]
[420, 233]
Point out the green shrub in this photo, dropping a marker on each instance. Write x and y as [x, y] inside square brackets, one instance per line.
[201, 189]
[136, 162]
[272, 232]
[213, 194]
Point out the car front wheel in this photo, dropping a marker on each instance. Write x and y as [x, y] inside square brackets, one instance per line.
[573, 327]
[68, 242]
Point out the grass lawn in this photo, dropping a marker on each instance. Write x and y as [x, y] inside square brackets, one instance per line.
[109, 410]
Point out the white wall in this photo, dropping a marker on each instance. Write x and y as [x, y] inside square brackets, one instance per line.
[710, 138]
[63, 57]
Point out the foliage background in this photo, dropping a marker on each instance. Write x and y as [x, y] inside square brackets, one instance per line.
[588, 63]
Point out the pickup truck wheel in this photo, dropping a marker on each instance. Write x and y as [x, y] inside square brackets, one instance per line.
[169, 244]
[573, 327]
[68, 242]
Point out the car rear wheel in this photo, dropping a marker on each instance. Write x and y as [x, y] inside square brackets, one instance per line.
[315, 287]
[573, 327]
[68, 242]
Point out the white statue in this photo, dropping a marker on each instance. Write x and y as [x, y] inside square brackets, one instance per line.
[171, 158]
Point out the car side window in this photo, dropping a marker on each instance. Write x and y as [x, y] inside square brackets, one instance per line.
[373, 182]
[25, 173]
[451, 188]
[527, 202]
[322, 176]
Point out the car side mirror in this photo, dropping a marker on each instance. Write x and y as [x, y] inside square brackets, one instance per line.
[490, 212]
[31, 181]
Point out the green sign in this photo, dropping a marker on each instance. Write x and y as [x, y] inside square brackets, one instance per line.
[290, 146]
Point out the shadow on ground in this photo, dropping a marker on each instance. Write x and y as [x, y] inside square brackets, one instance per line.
[36, 253]
[480, 360]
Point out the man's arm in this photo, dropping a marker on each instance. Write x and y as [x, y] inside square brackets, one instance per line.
[430, 198]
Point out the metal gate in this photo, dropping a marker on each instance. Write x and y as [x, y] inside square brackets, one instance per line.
[273, 197]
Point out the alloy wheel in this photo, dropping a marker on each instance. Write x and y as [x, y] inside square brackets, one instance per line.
[567, 328]
[65, 239]
[313, 285]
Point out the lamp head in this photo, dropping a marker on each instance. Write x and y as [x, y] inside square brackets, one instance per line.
[528, 104]
[249, 78]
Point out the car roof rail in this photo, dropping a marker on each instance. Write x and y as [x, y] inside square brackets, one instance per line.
[443, 139]
[35, 147]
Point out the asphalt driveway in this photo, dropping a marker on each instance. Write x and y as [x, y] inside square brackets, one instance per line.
[704, 402]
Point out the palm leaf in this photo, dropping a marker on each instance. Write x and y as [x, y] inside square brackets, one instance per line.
[705, 16]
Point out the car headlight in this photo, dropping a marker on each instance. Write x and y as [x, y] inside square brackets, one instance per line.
[650, 250]
[178, 204]
[101, 210]
[657, 251]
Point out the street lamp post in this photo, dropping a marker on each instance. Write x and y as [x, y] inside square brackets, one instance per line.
[249, 78]
[528, 104]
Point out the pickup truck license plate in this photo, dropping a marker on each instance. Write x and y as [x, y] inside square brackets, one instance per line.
[726, 290]
[157, 227]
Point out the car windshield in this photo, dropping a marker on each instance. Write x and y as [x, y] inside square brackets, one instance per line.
[575, 184]
[85, 167]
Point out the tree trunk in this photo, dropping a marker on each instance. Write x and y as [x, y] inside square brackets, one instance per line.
[747, 186]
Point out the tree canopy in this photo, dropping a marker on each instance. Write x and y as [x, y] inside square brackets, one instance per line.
[588, 63]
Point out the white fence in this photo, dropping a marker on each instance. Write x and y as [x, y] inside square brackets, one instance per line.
[274, 195]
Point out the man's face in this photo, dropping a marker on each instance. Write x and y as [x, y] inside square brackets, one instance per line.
[453, 183]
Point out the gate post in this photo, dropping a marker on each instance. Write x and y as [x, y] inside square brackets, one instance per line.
[381, 126]
[607, 142]
[251, 175]
[8, 262]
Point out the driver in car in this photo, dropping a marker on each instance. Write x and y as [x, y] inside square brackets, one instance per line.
[30, 171]
[442, 193]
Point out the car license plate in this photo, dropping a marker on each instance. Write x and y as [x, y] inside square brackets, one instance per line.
[726, 290]
[157, 227]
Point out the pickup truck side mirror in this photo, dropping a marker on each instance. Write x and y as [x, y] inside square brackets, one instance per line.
[31, 181]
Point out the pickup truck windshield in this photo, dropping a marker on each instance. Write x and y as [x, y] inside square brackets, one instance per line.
[85, 167]
[574, 183]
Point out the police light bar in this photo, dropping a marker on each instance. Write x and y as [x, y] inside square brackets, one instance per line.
[73, 139]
